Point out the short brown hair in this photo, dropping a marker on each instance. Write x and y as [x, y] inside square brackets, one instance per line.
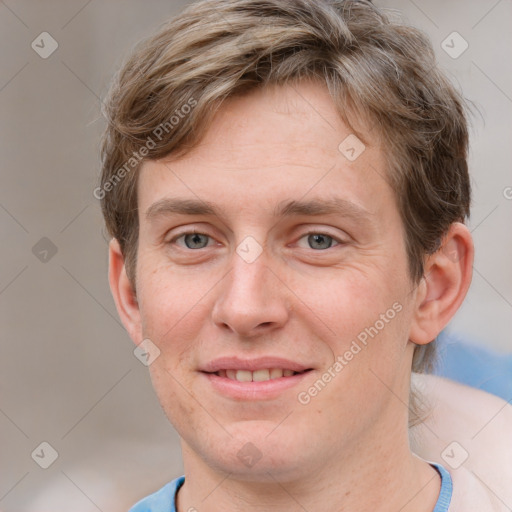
[376, 68]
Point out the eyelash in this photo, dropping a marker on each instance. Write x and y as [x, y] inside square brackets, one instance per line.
[182, 235]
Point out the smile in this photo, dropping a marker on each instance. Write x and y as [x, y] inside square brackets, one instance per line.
[257, 385]
[256, 376]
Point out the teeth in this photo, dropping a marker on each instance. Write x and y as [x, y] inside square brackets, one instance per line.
[243, 375]
[256, 376]
[260, 375]
[276, 373]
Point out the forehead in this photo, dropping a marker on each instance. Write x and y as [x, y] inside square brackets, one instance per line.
[272, 145]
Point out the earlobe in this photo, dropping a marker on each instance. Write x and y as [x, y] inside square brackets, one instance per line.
[123, 293]
[444, 286]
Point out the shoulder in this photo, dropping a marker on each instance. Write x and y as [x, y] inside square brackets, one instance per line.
[162, 500]
[468, 431]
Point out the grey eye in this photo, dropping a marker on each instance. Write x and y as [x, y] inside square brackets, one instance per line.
[195, 240]
[320, 241]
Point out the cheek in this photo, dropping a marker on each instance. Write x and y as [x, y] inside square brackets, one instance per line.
[363, 316]
[350, 299]
[178, 405]
[172, 303]
[369, 351]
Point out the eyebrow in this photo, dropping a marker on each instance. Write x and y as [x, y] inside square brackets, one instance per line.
[176, 206]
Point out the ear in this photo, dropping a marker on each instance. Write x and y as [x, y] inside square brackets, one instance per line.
[123, 293]
[444, 285]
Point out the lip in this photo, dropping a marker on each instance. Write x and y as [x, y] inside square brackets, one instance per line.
[260, 363]
[260, 390]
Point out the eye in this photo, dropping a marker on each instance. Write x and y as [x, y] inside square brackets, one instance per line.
[192, 240]
[320, 241]
[315, 240]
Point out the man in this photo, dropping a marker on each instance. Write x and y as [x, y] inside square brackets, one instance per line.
[286, 187]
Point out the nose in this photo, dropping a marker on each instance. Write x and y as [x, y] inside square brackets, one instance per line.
[253, 299]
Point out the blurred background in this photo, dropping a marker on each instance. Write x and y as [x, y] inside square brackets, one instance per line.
[68, 374]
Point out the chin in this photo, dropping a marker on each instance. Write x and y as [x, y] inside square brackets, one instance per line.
[265, 470]
[255, 455]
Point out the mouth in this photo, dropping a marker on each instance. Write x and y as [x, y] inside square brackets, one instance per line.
[256, 379]
[257, 375]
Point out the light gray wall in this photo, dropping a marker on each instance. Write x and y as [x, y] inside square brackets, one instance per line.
[67, 372]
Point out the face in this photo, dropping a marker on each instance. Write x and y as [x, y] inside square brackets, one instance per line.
[272, 276]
